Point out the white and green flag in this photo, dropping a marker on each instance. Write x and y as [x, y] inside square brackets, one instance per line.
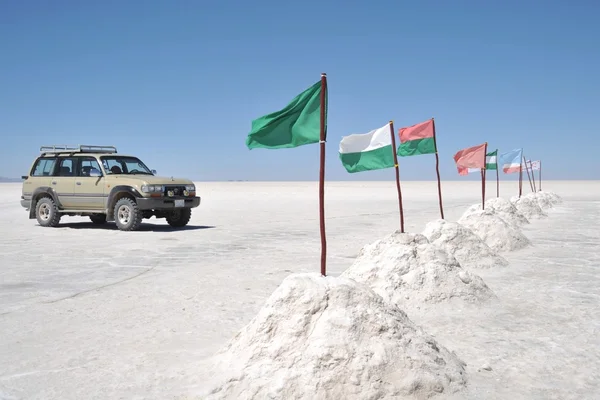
[491, 160]
[367, 151]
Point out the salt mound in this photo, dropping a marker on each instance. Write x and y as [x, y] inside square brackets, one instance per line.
[332, 338]
[407, 270]
[543, 201]
[546, 200]
[494, 231]
[528, 206]
[470, 251]
[504, 208]
[556, 199]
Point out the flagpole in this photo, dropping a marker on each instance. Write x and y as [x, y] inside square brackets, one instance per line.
[533, 177]
[397, 176]
[520, 178]
[322, 178]
[540, 175]
[437, 169]
[483, 178]
[497, 177]
[528, 176]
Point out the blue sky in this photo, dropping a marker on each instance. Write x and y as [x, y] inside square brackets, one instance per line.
[178, 83]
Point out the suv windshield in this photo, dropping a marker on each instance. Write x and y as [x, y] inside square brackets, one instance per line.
[124, 165]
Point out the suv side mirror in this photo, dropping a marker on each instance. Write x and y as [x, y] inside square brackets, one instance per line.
[95, 173]
[153, 172]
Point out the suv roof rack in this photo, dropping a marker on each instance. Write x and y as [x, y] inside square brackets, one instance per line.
[82, 148]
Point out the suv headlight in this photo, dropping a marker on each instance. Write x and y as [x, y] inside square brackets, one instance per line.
[190, 188]
[153, 188]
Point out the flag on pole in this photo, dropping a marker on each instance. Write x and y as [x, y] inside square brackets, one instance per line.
[297, 124]
[471, 157]
[491, 160]
[367, 151]
[417, 139]
[535, 165]
[511, 161]
[490, 163]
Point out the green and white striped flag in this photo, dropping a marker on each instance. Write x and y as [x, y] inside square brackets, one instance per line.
[367, 151]
[491, 160]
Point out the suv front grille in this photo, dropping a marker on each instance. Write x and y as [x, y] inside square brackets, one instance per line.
[176, 189]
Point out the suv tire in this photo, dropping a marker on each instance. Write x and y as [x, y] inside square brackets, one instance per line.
[179, 218]
[128, 216]
[98, 218]
[46, 212]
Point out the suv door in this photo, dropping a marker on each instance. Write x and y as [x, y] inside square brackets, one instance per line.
[89, 190]
[63, 181]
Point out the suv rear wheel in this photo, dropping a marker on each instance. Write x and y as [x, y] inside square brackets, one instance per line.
[46, 212]
[128, 216]
[179, 218]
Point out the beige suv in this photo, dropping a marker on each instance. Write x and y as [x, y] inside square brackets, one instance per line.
[97, 182]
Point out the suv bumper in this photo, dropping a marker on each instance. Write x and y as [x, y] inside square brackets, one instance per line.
[162, 204]
[26, 204]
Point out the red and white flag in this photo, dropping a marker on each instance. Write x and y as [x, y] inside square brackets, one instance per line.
[471, 157]
[535, 165]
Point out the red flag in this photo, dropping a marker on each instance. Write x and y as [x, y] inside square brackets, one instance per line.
[471, 157]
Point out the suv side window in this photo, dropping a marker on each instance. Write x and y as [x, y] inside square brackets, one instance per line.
[44, 167]
[88, 164]
[66, 167]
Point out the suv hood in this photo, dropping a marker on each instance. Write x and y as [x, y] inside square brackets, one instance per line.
[151, 180]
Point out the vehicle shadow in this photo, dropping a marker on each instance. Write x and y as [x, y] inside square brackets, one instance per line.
[144, 227]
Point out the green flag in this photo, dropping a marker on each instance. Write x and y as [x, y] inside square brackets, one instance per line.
[491, 160]
[299, 123]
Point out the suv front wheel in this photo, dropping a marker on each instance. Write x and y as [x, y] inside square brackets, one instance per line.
[179, 218]
[128, 216]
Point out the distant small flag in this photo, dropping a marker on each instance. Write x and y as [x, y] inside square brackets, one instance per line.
[491, 160]
[471, 157]
[511, 161]
[535, 165]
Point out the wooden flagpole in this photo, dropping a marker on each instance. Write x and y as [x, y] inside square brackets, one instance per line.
[497, 178]
[397, 177]
[540, 177]
[520, 179]
[483, 178]
[322, 177]
[533, 177]
[437, 169]
[528, 176]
